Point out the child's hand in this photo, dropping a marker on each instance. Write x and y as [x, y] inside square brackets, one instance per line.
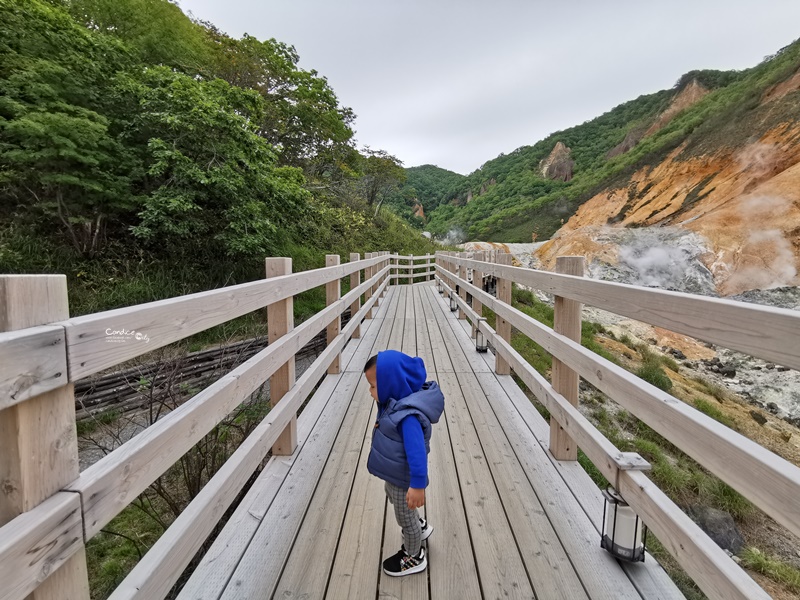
[415, 498]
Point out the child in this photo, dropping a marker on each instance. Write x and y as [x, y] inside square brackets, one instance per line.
[407, 405]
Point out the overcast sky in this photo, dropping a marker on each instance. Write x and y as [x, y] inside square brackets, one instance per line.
[456, 82]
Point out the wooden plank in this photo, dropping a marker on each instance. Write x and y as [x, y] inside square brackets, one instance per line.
[766, 479]
[173, 319]
[763, 331]
[706, 563]
[280, 322]
[212, 574]
[547, 563]
[409, 325]
[441, 355]
[258, 571]
[451, 558]
[39, 441]
[500, 568]
[32, 361]
[36, 544]
[600, 573]
[648, 577]
[486, 357]
[460, 362]
[424, 350]
[567, 322]
[316, 541]
[466, 345]
[355, 567]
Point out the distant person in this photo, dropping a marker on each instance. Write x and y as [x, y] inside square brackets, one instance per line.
[407, 406]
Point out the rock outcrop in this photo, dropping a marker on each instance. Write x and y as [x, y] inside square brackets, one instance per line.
[559, 163]
[691, 94]
[744, 204]
[627, 144]
[419, 210]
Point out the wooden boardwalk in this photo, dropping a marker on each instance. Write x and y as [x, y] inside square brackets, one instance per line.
[510, 522]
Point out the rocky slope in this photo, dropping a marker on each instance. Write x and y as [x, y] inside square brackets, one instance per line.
[735, 213]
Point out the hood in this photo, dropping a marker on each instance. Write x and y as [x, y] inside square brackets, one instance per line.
[398, 375]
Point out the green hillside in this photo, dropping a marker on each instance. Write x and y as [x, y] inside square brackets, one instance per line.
[511, 200]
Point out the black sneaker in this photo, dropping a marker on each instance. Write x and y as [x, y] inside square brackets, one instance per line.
[404, 564]
[427, 530]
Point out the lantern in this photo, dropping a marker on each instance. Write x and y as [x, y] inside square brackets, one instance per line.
[480, 339]
[622, 528]
[453, 303]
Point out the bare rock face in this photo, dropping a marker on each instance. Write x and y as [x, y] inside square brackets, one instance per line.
[689, 95]
[486, 185]
[469, 196]
[419, 211]
[627, 144]
[559, 164]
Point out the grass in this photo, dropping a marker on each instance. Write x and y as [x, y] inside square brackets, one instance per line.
[88, 426]
[705, 407]
[655, 375]
[112, 553]
[783, 573]
[712, 389]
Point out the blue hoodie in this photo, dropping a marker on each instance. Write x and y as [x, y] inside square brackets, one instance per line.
[407, 406]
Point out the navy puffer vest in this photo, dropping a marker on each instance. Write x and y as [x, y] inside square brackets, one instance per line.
[387, 458]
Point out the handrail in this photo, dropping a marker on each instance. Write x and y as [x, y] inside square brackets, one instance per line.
[763, 331]
[47, 532]
[173, 319]
[771, 482]
[768, 480]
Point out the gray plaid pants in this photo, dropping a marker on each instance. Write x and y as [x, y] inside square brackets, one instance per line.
[407, 518]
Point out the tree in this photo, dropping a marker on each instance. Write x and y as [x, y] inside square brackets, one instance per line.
[212, 182]
[382, 174]
[302, 116]
[60, 166]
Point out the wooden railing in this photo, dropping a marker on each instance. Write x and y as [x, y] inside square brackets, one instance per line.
[48, 510]
[769, 481]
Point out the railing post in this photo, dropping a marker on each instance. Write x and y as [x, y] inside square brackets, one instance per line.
[333, 291]
[462, 290]
[566, 321]
[280, 321]
[355, 281]
[477, 281]
[367, 276]
[38, 438]
[387, 262]
[503, 327]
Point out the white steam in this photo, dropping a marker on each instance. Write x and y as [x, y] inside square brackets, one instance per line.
[454, 237]
[768, 253]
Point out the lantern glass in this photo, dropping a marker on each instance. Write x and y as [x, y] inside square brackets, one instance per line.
[453, 303]
[480, 341]
[622, 528]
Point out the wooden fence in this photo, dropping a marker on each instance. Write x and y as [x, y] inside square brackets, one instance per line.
[769, 481]
[48, 510]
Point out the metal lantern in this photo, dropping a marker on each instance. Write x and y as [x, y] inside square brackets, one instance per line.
[441, 286]
[480, 340]
[453, 303]
[624, 534]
